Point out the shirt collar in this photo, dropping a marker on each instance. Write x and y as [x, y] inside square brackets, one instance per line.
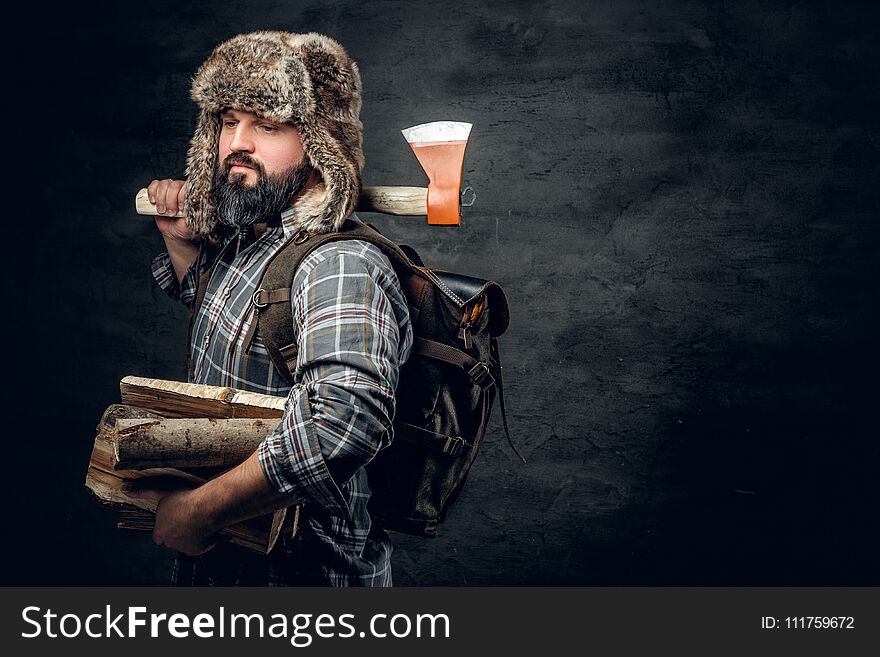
[289, 223]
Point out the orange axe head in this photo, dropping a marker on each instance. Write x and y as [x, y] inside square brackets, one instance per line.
[439, 147]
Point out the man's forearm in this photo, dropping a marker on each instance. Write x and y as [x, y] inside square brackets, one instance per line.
[239, 494]
[188, 520]
[182, 253]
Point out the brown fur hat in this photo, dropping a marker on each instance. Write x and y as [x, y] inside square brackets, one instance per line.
[307, 80]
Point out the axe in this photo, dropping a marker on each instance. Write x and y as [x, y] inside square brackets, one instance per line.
[439, 146]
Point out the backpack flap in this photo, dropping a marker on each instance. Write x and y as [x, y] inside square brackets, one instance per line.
[466, 289]
[499, 311]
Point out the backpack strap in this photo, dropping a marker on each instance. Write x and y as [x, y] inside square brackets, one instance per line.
[202, 287]
[271, 301]
[497, 357]
[478, 371]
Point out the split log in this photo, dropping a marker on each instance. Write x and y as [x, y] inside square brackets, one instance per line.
[186, 442]
[177, 399]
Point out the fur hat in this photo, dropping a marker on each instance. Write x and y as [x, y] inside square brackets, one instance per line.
[307, 80]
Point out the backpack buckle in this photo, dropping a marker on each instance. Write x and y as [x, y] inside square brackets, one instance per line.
[481, 375]
[256, 299]
[454, 445]
[301, 236]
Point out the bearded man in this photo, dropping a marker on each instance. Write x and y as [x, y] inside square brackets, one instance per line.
[278, 152]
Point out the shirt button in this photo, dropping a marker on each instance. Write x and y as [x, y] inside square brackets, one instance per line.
[226, 293]
[207, 340]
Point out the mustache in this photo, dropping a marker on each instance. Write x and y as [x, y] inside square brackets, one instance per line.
[244, 159]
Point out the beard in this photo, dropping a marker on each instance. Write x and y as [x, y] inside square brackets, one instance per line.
[239, 205]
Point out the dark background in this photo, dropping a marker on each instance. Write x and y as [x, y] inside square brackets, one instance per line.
[681, 199]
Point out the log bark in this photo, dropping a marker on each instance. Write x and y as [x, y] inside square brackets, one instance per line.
[187, 442]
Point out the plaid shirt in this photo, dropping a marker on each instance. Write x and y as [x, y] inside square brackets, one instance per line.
[353, 332]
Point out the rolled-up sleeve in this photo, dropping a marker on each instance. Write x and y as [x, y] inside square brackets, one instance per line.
[339, 414]
[166, 279]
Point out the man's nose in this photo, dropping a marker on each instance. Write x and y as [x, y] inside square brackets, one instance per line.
[241, 141]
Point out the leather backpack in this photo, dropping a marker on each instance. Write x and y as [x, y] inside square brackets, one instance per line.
[446, 388]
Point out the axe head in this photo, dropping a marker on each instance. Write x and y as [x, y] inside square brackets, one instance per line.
[439, 147]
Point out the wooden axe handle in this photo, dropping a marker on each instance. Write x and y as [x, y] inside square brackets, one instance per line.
[401, 201]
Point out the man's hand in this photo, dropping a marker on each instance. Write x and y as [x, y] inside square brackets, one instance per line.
[188, 520]
[181, 521]
[168, 196]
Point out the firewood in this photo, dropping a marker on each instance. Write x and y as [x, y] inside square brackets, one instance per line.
[186, 442]
[105, 482]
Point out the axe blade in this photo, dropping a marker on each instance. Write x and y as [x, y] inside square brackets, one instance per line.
[439, 147]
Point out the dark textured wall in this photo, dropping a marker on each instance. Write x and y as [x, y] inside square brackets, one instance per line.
[680, 198]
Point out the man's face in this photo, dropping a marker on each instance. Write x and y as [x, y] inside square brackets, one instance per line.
[261, 168]
[247, 137]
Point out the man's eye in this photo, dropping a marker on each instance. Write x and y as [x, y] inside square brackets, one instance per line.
[229, 124]
[269, 128]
